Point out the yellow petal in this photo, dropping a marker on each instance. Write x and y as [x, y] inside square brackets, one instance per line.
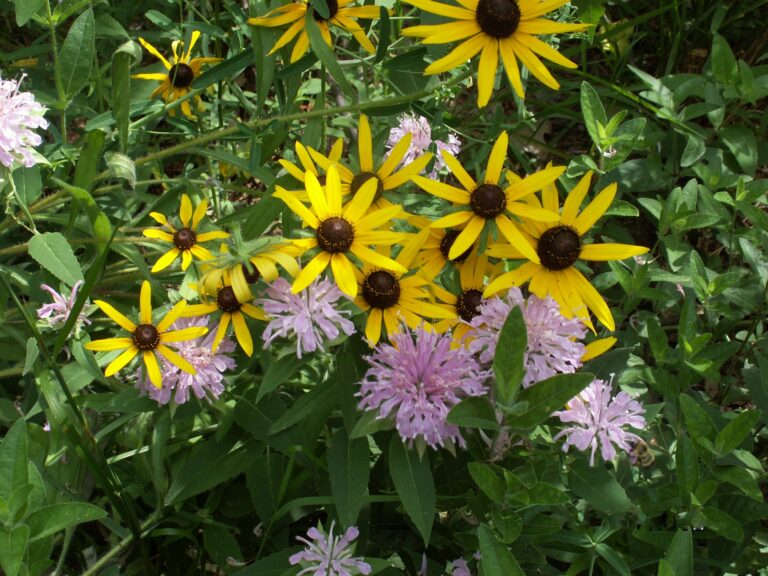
[185, 211]
[534, 9]
[516, 277]
[466, 237]
[221, 331]
[486, 73]
[546, 51]
[395, 156]
[390, 322]
[375, 259]
[253, 311]
[153, 369]
[186, 259]
[171, 316]
[544, 26]
[496, 159]
[595, 209]
[184, 334]
[213, 235]
[316, 196]
[174, 358]
[534, 182]
[365, 144]
[373, 327]
[115, 316]
[152, 50]
[108, 344]
[516, 238]
[378, 217]
[344, 273]
[597, 348]
[301, 46]
[534, 65]
[361, 201]
[441, 190]
[192, 42]
[311, 271]
[591, 298]
[574, 199]
[145, 303]
[510, 65]
[444, 33]
[610, 251]
[158, 234]
[458, 170]
[242, 333]
[451, 220]
[458, 55]
[296, 206]
[119, 363]
[443, 9]
[166, 260]
[199, 213]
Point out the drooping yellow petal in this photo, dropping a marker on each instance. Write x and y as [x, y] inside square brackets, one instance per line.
[591, 298]
[532, 62]
[344, 274]
[597, 348]
[166, 260]
[152, 50]
[375, 259]
[441, 190]
[115, 316]
[466, 237]
[186, 259]
[221, 331]
[496, 159]
[301, 46]
[390, 322]
[574, 199]
[516, 277]
[184, 334]
[288, 35]
[486, 72]
[458, 55]
[373, 327]
[153, 369]
[546, 51]
[595, 209]
[395, 156]
[121, 361]
[458, 170]
[513, 235]
[610, 251]
[108, 344]
[242, 333]
[311, 271]
[176, 359]
[296, 206]
[510, 65]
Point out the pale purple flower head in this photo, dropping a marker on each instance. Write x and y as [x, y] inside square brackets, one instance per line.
[460, 568]
[329, 555]
[55, 314]
[600, 419]
[419, 127]
[309, 316]
[207, 382]
[554, 345]
[419, 379]
[20, 116]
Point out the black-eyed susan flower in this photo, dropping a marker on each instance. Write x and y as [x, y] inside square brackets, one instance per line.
[146, 337]
[341, 231]
[180, 73]
[295, 13]
[495, 27]
[186, 241]
[385, 175]
[234, 308]
[432, 246]
[394, 299]
[480, 204]
[559, 245]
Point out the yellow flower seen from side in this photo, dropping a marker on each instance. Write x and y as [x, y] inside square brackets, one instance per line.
[233, 308]
[506, 28]
[486, 202]
[295, 13]
[559, 245]
[186, 241]
[146, 337]
[341, 230]
[181, 72]
[386, 175]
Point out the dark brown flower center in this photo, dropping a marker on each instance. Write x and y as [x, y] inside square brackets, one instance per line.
[498, 18]
[227, 300]
[381, 289]
[447, 242]
[181, 75]
[488, 201]
[146, 337]
[335, 235]
[559, 247]
[362, 178]
[251, 273]
[184, 239]
[468, 304]
[333, 7]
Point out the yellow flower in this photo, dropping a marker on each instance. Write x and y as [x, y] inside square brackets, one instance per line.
[559, 246]
[433, 246]
[385, 175]
[186, 240]
[393, 299]
[341, 230]
[146, 338]
[180, 73]
[506, 27]
[295, 14]
[488, 202]
[233, 309]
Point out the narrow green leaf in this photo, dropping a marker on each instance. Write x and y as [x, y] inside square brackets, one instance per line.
[326, 55]
[266, 212]
[488, 481]
[278, 372]
[508, 362]
[320, 398]
[742, 479]
[25, 9]
[496, 559]
[369, 423]
[548, 396]
[13, 460]
[52, 251]
[613, 558]
[687, 467]
[598, 487]
[724, 65]
[348, 468]
[723, 524]
[474, 412]
[593, 111]
[263, 477]
[384, 32]
[414, 484]
[76, 56]
[229, 68]
[742, 143]
[680, 554]
[29, 184]
[32, 352]
[56, 517]
[13, 545]
[736, 431]
[121, 95]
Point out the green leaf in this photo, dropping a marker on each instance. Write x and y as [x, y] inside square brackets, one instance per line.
[413, 481]
[322, 397]
[742, 479]
[680, 554]
[613, 558]
[665, 569]
[594, 113]
[687, 464]
[736, 431]
[508, 362]
[742, 143]
[121, 94]
[474, 412]
[52, 251]
[723, 524]
[13, 460]
[32, 352]
[496, 559]
[229, 68]
[488, 481]
[695, 148]
[56, 517]
[13, 545]
[265, 213]
[278, 372]
[326, 55]
[590, 12]
[598, 487]
[25, 9]
[29, 184]
[548, 396]
[349, 469]
[384, 32]
[263, 477]
[122, 167]
[76, 56]
[222, 546]
[369, 423]
[724, 65]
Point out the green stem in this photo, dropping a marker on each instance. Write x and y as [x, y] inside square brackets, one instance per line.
[120, 546]
[21, 248]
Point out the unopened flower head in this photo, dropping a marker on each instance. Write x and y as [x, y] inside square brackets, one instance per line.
[419, 379]
[55, 314]
[554, 345]
[599, 420]
[311, 316]
[20, 116]
[419, 127]
[207, 382]
[329, 555]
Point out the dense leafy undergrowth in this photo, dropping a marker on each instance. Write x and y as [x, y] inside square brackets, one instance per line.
[425, 288]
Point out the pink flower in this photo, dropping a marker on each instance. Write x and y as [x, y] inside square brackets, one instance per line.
[208, 382]
[554, 345]
[421, 141]
[20, 116]
[309, 316]
[419, 379]
[599, 421]
[329, 555]
[55, 314]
